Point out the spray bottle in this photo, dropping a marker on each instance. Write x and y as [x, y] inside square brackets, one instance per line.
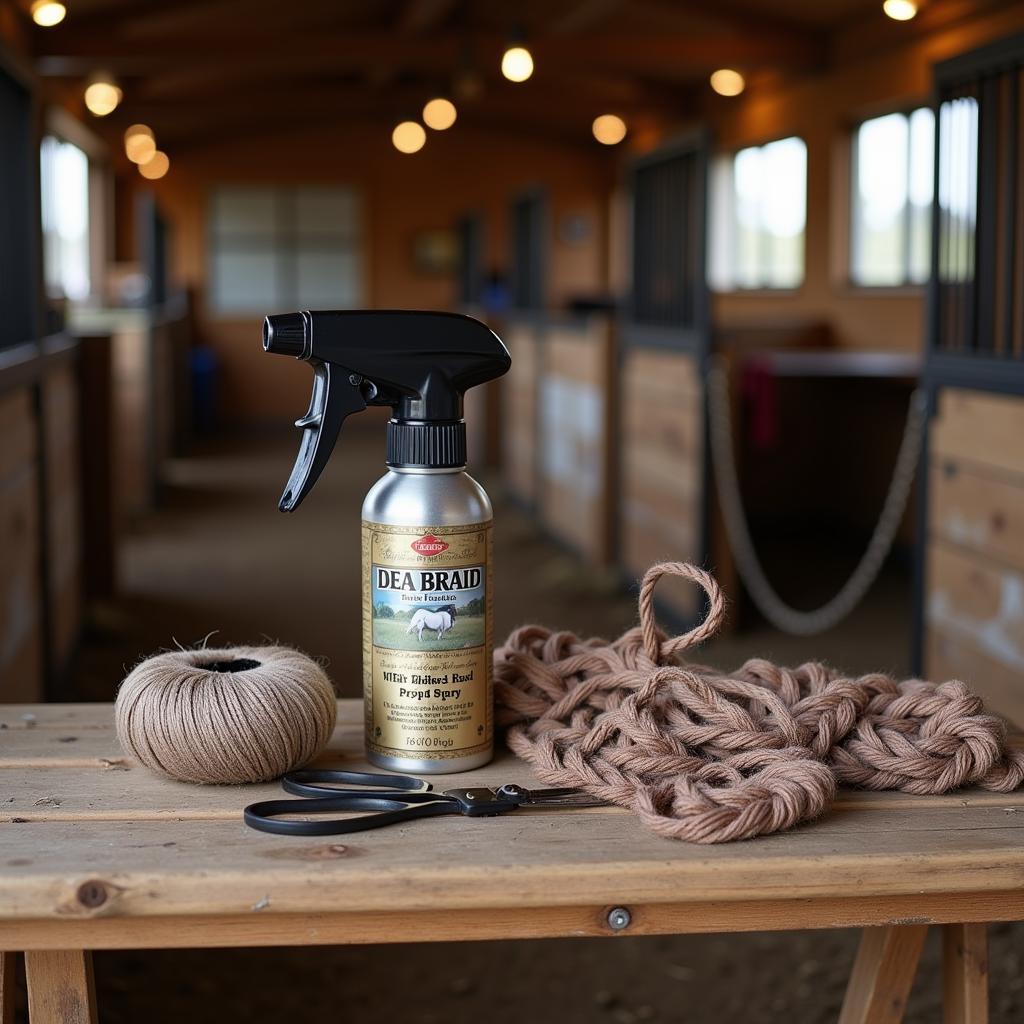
[427, 590]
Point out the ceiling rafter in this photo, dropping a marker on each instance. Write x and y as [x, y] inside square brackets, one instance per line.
[67, 52]
[416, 18]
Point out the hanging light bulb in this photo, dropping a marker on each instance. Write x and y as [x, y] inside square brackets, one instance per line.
[609, 129]
[47, 13]
[517, 64]
[900, 10]
[139, 143]
[102, 95]
[727, 82]
[156, 166]
[408, 137]
[439, 114]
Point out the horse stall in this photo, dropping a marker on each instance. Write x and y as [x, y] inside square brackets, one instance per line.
[40, 499]
[663, 511]
[970, 594]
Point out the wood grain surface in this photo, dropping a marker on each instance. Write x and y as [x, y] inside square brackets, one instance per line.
[91, 844]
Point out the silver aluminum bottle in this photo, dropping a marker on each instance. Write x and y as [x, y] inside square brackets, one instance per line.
[419, 498]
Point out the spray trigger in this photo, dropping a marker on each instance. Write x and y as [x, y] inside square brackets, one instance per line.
[418, 363]
[337, 393]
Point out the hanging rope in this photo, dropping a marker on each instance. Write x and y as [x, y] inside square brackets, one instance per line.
[708, 757]
[772, 607]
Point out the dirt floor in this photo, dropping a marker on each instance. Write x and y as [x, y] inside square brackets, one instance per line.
[218, 556]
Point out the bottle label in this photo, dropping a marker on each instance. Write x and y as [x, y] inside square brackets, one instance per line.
[427, 640]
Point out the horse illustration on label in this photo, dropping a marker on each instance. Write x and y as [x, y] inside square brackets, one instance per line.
[441, 620]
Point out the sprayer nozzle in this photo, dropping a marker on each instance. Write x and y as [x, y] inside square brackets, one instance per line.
[285, 335]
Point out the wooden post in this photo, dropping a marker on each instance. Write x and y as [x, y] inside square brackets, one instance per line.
[60, 987]
[965, 973]
[8, 979]
[882, 975]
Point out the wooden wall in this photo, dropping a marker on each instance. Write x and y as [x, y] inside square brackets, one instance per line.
[465, 170]
[974, 603]
[662, 467]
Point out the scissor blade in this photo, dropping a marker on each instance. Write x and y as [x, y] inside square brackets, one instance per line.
[561, 798]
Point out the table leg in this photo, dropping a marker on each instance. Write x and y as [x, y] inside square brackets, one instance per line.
[883, 974]
[965, 973]
[60, 987]
[8, 980]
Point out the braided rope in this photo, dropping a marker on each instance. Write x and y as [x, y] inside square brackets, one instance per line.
[708, 757]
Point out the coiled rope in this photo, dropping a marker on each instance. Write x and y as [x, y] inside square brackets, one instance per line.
[772, 607]
[707, 757]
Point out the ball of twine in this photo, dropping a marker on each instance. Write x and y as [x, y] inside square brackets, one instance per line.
[227, 715]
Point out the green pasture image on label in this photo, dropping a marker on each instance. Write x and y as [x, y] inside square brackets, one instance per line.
[436, 610]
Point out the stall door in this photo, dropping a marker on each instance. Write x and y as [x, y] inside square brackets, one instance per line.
[971, 571]
[664, 342]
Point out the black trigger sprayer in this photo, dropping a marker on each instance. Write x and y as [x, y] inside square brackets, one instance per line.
[426, 524]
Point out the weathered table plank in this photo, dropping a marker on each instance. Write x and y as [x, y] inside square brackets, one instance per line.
[219, 867]
[94, 845]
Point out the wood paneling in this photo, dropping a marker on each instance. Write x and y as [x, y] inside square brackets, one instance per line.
[519, 411]
[63, 512]
[21, 634]
[975, 622]
[575, 397]
[974, 508]
[974, 604]
[132, 419]
[662, 439]
[980, 428]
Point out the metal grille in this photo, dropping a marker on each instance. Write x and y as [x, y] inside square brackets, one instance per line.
[470, 231]
[529, 221]
[19, 213]
[668, 239]
[978, 217]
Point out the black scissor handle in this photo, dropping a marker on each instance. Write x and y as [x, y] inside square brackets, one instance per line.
[305, 782]
[386, 810]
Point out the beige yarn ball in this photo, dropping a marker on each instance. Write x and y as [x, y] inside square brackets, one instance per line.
[227, 715]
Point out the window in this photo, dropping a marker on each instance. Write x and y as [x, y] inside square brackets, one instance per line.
[284, 248]
[758, 212]
[64, 195]
[891, 196]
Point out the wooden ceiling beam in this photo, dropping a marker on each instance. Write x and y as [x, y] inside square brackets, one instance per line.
[415, 18]
[334, 103]
[585, 15]
[241, 83]
[202, 132]
[76, 53]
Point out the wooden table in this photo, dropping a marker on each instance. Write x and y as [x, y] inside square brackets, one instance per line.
[98, 853]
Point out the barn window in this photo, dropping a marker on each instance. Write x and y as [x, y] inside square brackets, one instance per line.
[284, 248]
[758, 213]
[64, 195]
[891, 197]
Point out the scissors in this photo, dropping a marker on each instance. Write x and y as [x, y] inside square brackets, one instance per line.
[391, 800]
